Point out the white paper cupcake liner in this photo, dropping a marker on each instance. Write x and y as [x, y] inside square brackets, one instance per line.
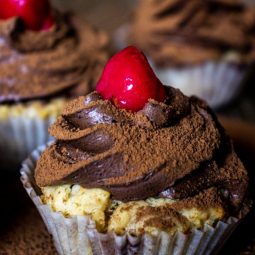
[21, 133]
[79, 236]
[217, 83]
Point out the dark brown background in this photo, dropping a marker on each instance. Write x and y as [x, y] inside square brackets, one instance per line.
[21, 229]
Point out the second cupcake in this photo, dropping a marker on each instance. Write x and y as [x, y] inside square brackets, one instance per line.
[204, 48]
[45, 57]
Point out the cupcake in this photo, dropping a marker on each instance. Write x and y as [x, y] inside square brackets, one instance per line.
[203, 47]
[137, 168]
[45, 58]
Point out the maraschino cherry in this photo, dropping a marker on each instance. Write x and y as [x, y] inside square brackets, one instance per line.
[129, 81]
[36, 14]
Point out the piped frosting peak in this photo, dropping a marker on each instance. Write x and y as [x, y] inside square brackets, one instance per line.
[173, 149]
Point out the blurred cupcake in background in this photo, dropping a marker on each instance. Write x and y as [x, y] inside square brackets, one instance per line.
[46, 57]
[205, 48]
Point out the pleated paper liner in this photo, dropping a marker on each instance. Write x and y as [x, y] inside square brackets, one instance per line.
[78, 235]
[23, 128]
[216, 82]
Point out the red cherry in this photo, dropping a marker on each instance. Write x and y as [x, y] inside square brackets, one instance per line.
[48, 23]
[34, 13]
[129, 81]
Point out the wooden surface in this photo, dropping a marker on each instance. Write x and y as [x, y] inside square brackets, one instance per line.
[22, 231]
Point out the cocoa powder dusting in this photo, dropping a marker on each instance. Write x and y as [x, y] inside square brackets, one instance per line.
[175, 149]
[168, 216]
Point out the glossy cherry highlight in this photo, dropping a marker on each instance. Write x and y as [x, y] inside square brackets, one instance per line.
[129, 81]
[36, 14]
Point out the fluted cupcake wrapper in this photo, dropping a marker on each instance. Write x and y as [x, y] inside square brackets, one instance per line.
[79, 236]
[21, 133]
[216, 82]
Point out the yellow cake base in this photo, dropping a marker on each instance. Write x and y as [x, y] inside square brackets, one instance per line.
[136, 217]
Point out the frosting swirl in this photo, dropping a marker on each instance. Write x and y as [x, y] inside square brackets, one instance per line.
[33, 64]
[174, 149]
[191, 32]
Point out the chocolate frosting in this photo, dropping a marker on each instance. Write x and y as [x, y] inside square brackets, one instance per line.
[174, 149]
[180, 32]
[42, 64]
